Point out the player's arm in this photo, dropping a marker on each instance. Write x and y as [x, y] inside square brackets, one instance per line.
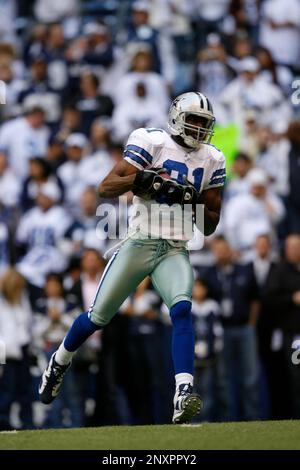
[136, 172]
[211, 198]
[118, 181]
[126, 177]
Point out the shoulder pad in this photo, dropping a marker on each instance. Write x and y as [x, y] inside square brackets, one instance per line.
[154, 137]
[216, 153]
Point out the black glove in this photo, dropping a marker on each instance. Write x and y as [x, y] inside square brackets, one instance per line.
[148, 182]
[191, 194]
[175, 193]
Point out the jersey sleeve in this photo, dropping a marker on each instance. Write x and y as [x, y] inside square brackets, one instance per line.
[139, 150]
[217, 176]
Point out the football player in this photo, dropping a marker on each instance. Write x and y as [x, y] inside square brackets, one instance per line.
[178, 168]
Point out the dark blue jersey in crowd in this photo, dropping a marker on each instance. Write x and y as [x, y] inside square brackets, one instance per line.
[235, 288]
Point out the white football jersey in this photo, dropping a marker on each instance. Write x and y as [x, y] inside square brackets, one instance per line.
[42, 232]
[204, 168]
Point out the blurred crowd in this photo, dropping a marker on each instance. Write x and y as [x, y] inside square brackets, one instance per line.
[80, 75]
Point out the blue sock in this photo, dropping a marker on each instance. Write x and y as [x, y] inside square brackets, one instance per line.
[183, 338]
[79, 332]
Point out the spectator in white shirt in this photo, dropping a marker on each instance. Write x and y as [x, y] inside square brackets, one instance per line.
[88, 205]
[242, 47]
[142, 71]
[72, 171]
[13, 87]
[212, 10]
[173, 15]
[8, 10]
[272, 156]
[213, 71]
[250, 91]
[280, 30]
[86, 233]
[97, 165]
[139, 111]
[140, 31]
[50, 11]
[9, 184]
[277, 74]
[40, 233]
[9, 55]
[23, 138]
[15, 333]
[248, 142]
[253, 214]
[238, 184]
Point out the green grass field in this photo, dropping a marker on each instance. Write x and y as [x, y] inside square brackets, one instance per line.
[255, 435]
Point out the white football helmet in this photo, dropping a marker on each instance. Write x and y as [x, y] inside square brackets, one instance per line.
[192, 103]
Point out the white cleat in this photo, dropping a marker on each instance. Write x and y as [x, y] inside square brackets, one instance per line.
[186, 404]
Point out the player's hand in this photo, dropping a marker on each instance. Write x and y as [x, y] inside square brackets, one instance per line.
[173, 192]
[191, 194]
[157, 184]
[148, 182]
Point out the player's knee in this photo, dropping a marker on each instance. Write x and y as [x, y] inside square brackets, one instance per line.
[181, 315]
[86, 322]
[97, 319]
